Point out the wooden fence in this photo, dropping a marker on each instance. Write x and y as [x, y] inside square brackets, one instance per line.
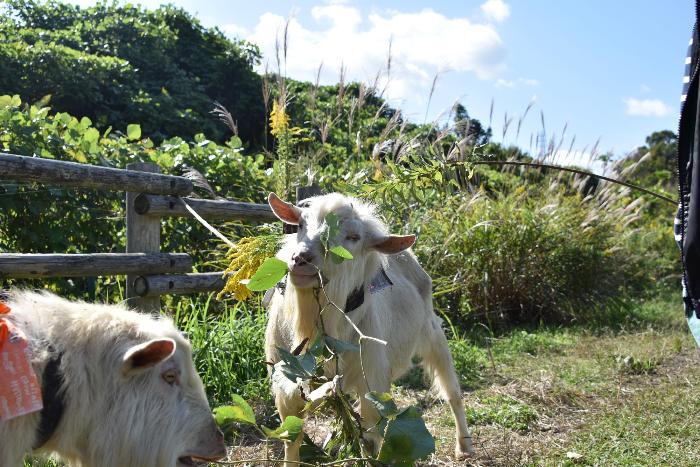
[149, 197]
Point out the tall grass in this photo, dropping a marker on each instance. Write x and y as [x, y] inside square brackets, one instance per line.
[227, 348]
[539, 254]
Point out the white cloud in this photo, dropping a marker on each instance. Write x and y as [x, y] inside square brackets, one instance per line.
[646, 107]
[423, 43]
[496, 10]
[506, 83]
[233, 30]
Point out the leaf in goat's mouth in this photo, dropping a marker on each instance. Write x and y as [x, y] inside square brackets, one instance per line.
[267, 275]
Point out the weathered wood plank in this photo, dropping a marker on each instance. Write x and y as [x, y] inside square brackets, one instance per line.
[156, 285]
[172, 206]
[72, 174]
[28, 266]
[142, 236]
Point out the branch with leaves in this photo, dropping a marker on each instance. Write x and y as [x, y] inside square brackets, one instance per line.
[313, 370]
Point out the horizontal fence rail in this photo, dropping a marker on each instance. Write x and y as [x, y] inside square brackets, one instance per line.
[156, 285]
[30, 266]
[73, 174]
[172, 206]
[150, 196]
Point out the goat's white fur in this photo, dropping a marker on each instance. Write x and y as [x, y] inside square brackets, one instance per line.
[402, 315]
[115, 415]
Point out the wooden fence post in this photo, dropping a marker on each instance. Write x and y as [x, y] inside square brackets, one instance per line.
[142, 236]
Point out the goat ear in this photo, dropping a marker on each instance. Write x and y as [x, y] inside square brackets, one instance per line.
[286, 212]
[392, 244]
[147, 355]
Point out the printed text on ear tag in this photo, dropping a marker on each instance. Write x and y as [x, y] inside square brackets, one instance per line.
[20, 393]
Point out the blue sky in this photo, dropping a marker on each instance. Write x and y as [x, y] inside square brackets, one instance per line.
[606, 69]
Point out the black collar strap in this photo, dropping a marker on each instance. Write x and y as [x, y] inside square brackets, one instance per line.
[355, 299]
[53, 397]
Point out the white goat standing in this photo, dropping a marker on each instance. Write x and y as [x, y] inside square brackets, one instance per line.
[397, 309]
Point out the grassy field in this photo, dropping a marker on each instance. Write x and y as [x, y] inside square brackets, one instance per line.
[621, 393]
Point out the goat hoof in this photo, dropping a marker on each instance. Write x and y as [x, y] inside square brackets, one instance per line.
[464, 449]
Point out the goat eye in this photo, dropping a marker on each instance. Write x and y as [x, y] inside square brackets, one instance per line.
[352, 237]
[170, 377]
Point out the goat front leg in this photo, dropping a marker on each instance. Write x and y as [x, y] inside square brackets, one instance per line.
[377, 379]
[290, 405]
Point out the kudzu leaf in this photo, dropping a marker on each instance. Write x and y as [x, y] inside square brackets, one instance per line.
[338, 346]
[340, 254]
[239, 412]
[296, 367]
[309, 452]
[383, 402]
[317, 346]
[406, 439]
[267, 275]
[133, 131]
[289, 430]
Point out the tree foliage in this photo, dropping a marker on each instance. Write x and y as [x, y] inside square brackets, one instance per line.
[118, 64]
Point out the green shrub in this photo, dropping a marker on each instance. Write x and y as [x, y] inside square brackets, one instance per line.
[119, 64]
[536, 254]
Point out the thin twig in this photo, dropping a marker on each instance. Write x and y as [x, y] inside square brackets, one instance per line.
[576, 171]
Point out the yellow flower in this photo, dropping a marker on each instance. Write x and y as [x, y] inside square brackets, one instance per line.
[245, 259]
[279, 120]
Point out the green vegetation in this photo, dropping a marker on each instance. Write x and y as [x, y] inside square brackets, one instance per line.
[555, 286]
[228, 348]
[118, 64]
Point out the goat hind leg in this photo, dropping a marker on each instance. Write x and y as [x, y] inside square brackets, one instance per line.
[438, 359]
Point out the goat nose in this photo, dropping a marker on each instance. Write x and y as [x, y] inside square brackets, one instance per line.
[302, 258]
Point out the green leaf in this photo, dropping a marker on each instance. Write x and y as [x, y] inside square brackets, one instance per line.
[297, 367]
[235, 142]
[406, 439]
[332, 229]
[240, 412]
[309, 452]
[317, 346]
[267, 275]
[91, 135]
[5, 101]
[85, 123]
[338, 346]
[133, 131]
[340, 254]
[383, 402]
[289, 430]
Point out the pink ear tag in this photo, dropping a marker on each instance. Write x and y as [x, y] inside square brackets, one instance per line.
[20, 393]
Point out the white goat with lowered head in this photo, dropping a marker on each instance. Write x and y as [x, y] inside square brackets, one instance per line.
[383, 290]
